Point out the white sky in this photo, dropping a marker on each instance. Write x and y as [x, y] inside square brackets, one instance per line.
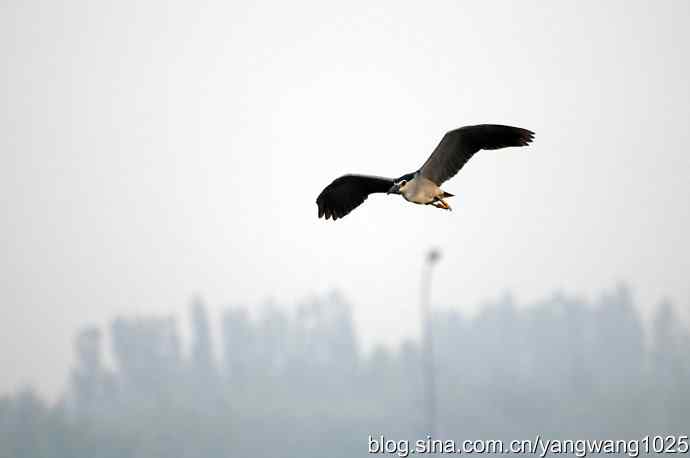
[151, 150]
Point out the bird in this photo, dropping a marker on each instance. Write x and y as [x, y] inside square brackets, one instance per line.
[422, 187]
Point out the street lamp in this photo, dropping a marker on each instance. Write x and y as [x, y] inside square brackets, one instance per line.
[432, 258]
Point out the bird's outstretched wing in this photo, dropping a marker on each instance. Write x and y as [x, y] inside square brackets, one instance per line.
[347, 192]
[459, 145]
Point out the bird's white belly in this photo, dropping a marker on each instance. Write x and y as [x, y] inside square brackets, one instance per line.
[421, 191]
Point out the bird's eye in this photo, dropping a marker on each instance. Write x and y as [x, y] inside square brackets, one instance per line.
[403, 183]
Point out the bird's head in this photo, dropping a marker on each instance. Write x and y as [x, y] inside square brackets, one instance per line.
[397, 187]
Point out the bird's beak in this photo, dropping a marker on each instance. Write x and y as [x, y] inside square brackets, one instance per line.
[395, 189]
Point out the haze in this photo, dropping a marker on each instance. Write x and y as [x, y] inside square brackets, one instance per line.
[155, 150]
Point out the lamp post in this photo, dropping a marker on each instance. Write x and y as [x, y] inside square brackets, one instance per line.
[427, 342]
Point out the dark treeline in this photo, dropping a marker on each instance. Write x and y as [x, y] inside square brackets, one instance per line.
[298, 384]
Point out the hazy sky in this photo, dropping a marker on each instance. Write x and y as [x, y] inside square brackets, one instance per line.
[152, 150]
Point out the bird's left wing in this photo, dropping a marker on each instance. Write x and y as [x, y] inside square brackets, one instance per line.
[459, 145]
[347, 192]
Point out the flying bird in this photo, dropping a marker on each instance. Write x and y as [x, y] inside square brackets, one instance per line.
[422, 187]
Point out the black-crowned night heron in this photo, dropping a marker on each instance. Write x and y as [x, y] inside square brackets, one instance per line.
[347, 192]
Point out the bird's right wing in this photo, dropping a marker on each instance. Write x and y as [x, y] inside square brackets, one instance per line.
[459, 145]
[347, 192]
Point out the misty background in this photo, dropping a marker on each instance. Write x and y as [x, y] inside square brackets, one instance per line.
[154, 151]
[298, 384]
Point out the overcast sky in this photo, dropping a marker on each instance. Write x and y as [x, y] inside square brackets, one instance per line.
[153, 150]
